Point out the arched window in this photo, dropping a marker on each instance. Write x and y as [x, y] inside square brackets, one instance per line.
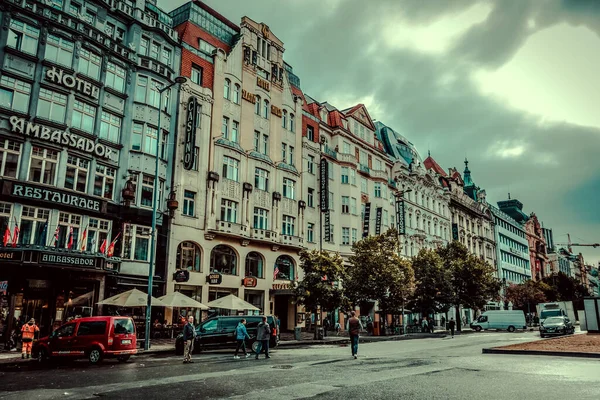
[266, 109]
[227, 89]
[236, 94]
[188, 256]
[284, 119]
[284, 268]
[224, 260]
[257, 105]
[254, 265]
[292, 127]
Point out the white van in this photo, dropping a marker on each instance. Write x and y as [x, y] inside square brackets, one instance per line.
[509, 320]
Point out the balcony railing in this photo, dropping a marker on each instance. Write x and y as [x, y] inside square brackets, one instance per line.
[330, 152]
[294, 241]
[233, 228]
[149, 20]
[349, 158]
[263, 234]
[364, 169]
[159, 68]
[379, 174]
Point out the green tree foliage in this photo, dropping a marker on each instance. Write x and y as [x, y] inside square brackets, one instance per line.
[526, 295]
[560, 287]
[433, 283]
[377, 273]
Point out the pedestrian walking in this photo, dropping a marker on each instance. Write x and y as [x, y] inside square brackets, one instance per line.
[431, 325]
[189, 336]
[443, 322]
[326, 326]
[452, 325]
[354, 328]
[28, 334]
[241, 336]
[338, 328]
[424, 325]
[263, 334]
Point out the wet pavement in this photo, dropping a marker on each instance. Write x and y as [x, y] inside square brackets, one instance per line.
[437, 368]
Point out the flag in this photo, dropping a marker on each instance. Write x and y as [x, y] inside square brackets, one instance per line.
[56, 235]
[6, 237]
[41, 239]
[103, 247]
[111, 248]
[276, 272]
[324, 278]
[15, 237]
[70, 239]
[84, 240]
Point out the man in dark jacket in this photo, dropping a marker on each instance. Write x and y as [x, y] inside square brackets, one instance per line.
[452, 325]
[354, 328]
[263, 335]
[189, 336]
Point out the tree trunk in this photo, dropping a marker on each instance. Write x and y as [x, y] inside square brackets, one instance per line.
[458, 319]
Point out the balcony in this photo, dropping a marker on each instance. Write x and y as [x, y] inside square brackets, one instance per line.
[364, 169]
[125, 8]
[294, 241]
[232, 228]
[380, 174]
[153, 65]
[349, 158]
[392, 183]
[330, 152]
[263, 234]
[150, 21]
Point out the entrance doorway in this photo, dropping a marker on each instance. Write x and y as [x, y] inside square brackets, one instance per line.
[284, 310]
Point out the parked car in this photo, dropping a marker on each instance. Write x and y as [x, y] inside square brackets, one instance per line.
[93, 337]
[500, 319]
[220, 332]
[556, 326]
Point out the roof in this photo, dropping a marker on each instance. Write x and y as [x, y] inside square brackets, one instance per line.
[430, 163]
[334, 119]
[360, 113]
[297, 92]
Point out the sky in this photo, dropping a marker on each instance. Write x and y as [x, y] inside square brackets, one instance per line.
[513, 85]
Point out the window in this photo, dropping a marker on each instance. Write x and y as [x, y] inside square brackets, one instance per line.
[147, 191]
[229, 211]
[377, 189]
[292, 123]
[283, 152]
[205, 46]
[77, 173]
[345, 204]
[141, 89]
[150, 140]
[288, 188]
[352, 176]
[42, 168]
[330, 172]
[353, 208]
[104, 181]
[89, 17]
[266, 109]
[68, 226]
[74, 9]
[154, 94]
[196, 74]
[346, 148]
[291, 153]
[345, 236]
[236, 93]
[136, 136]
[115, 79]
[261, 179]
[89, 64]
[284, 266]
[386, 218]
[256, 141]
[84, 116]
[363, 185]
[110, 127]
[136, 242]
[154, 50]
[345, 175]
[288, 225]
[91, 328]
[33, 228]
[227, 89]
[9, 158]
[231, 168]
[311, 197]
[311, 164]
[97, 233]
[254, 265]
[378, 165]
[14, 94]
[109, 29]
[310, 133]
[235, 126]
[189, 203]
[354, 235]
[284, 119]
[52, 105]
[224, 260]
[59, 50]
[188, 256]
[23, 37]
[225, 128]
[166, 56]
[261, 218]
[144, 46]
[331, 201]
[266, 144]
[257, 105]
[310, 233]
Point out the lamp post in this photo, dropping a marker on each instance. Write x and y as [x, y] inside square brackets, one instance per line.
[153, 236]
[401, 230]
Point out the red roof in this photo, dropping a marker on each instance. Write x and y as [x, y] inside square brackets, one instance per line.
[335, 119]
[430, 163]
[313, 108]
[297, 92]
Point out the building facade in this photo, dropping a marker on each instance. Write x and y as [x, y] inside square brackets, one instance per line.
[540, 267]
[78, 132]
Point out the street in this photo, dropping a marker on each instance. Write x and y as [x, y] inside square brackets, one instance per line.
[411, 369]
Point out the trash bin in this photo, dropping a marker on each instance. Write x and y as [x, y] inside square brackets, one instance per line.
[319, 333]
[297, 333]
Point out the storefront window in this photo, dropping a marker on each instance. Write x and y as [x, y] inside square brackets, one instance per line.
[188, 256]
[224, 260]
[254, 265]
[284, 268]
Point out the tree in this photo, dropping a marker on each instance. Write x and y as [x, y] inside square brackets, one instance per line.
[473, 280]
[433, 283]
[526, 294]
[561, 287]
[377, 273]
[320, 287]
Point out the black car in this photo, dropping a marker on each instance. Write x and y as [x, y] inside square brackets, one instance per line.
[220, 332]
[556, 326]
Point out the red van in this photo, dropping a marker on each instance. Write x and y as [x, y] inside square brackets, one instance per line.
[93, 337]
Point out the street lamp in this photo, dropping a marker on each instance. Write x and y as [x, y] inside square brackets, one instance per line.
[153, 236]
[399, 198]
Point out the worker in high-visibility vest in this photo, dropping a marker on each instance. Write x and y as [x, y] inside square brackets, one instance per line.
[28, 330]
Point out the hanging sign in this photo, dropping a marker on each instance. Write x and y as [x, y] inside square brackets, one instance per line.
[249, 281]
[324, 188]
[400, 224]
[366, 219]
[454, 232]
[328, 226]
[190, 134]
[182, 275]
[214, 278]
[3, 287]
[378, 220]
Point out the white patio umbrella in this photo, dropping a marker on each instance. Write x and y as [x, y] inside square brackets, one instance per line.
[131, 298]
[180, 300]
[232, 302]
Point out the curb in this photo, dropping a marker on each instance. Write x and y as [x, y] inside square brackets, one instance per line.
[540, 353]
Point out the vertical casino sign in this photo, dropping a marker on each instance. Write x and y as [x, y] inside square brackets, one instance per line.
[191, 122]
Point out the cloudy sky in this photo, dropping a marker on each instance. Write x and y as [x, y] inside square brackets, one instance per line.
[513, 85]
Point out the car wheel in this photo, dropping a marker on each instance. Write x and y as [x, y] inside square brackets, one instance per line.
[124, 358]
[43, 356]
[542, 336]
[477, 329]
[95, 355]
[511, 328]
[254, 346]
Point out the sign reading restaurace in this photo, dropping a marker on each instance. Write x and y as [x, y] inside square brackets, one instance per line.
[28, 128]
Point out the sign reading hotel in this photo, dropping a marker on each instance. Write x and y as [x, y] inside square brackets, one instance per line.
[28, 128]
[53, 196]
[190, 134]
[67, 80]
[262, 83]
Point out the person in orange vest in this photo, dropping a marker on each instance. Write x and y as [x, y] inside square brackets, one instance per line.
[28, 330]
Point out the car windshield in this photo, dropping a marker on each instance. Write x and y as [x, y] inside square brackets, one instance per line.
[553, 320]
[552, 313]
[123, 326]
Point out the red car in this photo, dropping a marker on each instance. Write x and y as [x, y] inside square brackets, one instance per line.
[93, 337]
